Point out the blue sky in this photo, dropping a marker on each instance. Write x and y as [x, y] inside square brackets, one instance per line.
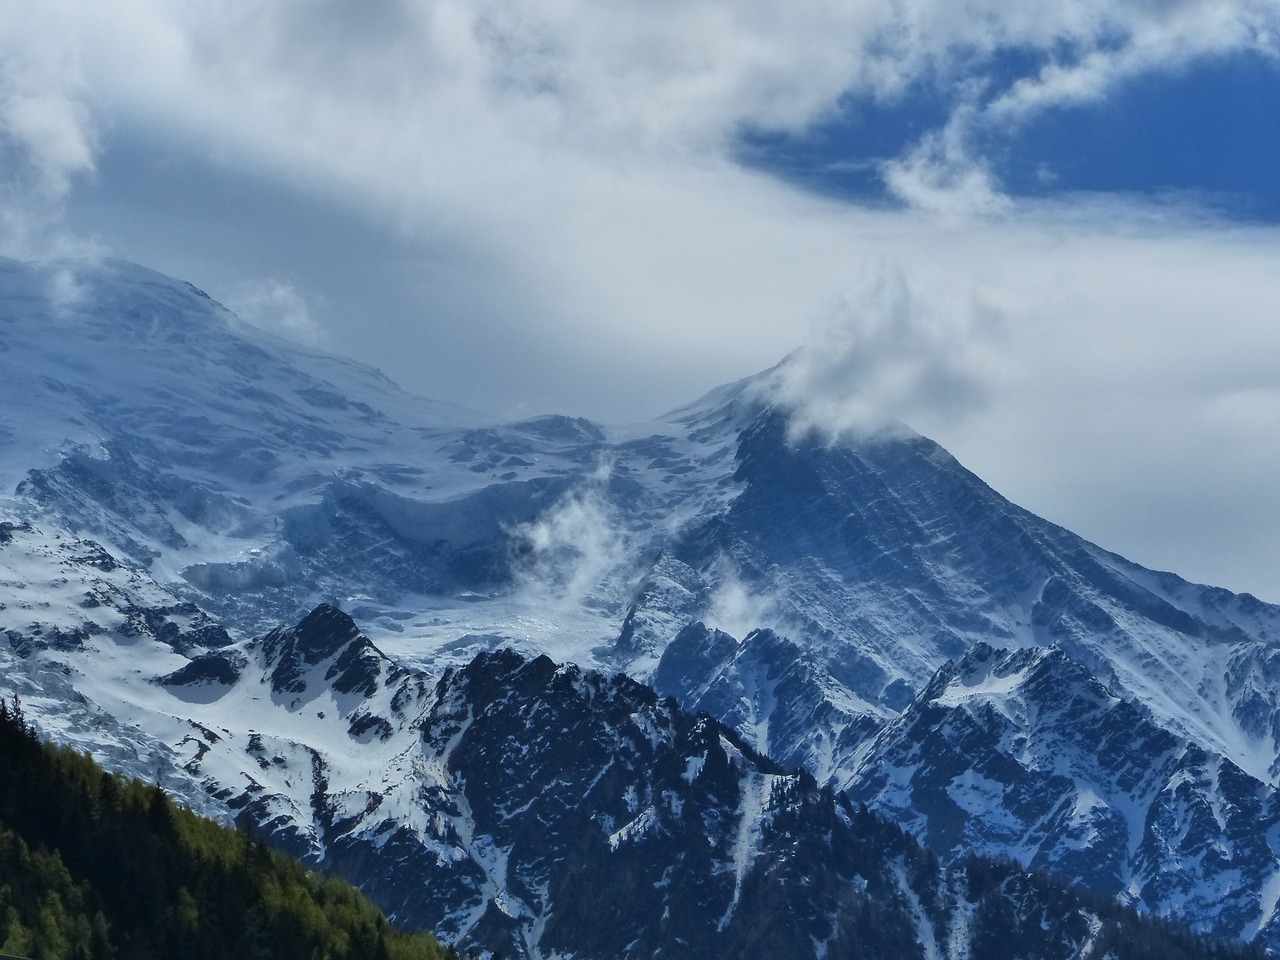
[1205, 133]
[1046, 235]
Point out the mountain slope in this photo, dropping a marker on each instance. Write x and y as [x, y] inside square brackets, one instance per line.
[97, 866]
[885, 559]
[803, 590]
[538, 810]
[258, 478]
[1024, 755]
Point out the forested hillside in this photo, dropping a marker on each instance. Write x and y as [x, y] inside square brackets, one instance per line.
[94, 866]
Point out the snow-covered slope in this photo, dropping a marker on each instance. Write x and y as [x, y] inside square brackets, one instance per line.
[870, 564]
[886, 558]
[802, 590]
[258, 477]
[1024, 755]
[515, 806]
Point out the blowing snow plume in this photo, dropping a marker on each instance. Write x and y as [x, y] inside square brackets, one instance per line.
[577, 549]
[738, 607]
[888, 354]
[277, 306]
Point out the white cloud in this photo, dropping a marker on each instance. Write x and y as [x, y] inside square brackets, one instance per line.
[577, 549]
[277, 306]
[563, 170]
[407, 101]
[737, 608]
[48, 136]
[1166, 40]
[1089, 50]
[1134, 403]
[474, 119]
[65, 290]
[943, 175]
[892, 353]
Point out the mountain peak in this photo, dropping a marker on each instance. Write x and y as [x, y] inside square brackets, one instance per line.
[325, 635]
[323, 632]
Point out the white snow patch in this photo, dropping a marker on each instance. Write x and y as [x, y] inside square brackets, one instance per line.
[641, 825]
[925, 932]
[755, 790]
[1269, 900]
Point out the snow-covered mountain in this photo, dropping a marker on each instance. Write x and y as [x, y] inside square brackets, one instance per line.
[1025, 755]
[517, 806]
[259, 478]
[837, 603]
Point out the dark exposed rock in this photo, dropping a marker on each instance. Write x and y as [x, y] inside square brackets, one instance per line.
[592, 818]
[216, 668]
[325, 633]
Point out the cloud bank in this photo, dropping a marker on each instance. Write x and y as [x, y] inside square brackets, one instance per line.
[538, 205]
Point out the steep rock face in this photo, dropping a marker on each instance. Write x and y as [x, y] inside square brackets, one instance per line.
[784, 703]
[325, 636]
[547, 800]
[536, 810]
[880, 561]
[1024, 755]
[670, 596]
[886, 558]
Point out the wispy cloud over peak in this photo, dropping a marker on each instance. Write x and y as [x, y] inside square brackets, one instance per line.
[892, 352]
[944, 175]
[278, 306]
